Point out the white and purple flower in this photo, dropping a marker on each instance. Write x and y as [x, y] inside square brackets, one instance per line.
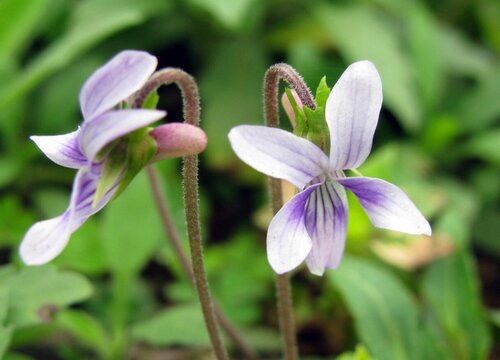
[312, 225]
[97, 148]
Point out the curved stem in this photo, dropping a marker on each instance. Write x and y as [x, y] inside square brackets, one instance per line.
[173, 236]
[271, 112]
[191, 106]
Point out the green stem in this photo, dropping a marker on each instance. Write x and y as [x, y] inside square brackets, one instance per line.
[271, 112]
[191, 106]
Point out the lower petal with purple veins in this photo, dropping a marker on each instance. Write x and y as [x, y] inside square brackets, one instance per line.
[288, 242]
[326, 224]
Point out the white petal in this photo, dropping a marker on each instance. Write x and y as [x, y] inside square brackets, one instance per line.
[101, 131]
[64, 149]
[288, 242]
[45, 240]
[114, 82]
[278, 153]
[387, 206]
[352, 111]
[326, 224]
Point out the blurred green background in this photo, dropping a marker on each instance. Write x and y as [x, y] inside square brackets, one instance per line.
[117, 291]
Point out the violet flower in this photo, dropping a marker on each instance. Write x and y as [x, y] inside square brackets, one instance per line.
[312, 225]
[108, 149]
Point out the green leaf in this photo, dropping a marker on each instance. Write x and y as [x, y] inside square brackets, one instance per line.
[387, 318]
[360, 354]
[451, 289]
[131, 229]
[33, 289]
[479, 107]
[5, 337]
[231, 76]
[485, 145]
[93, 22]
[231, 14]
[85, 252]
[18, 19]
[423, 39]
[376, 41]
[14, 220]
[179, 325]
[151, 101]
[85, 328]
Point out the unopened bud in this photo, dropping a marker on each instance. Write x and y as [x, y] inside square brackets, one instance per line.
[178, 139]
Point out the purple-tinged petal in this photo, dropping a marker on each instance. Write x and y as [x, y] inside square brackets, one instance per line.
[83, 198]
[101, 131]
[387, 206]
[64, 149]
[326, 224]
[278, 153]
[114, 82]
[45, 240]
[351, 112]
[288, 242]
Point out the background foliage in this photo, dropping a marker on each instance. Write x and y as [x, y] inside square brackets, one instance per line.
[117, 291]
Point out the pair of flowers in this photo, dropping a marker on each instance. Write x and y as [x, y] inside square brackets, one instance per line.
[311, 226]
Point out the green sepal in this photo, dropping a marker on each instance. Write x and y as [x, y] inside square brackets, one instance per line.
[300, 117]
[151, 100]
[126, 157]
[312, 125]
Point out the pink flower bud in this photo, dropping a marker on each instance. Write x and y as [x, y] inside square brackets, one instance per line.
[288, 106]
[178, 139]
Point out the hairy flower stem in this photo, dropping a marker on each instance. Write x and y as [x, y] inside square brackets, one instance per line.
[191, 107]
[173, 236]
[271, 112]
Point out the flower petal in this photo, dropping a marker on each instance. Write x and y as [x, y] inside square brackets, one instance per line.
[64, 149]
[98, 133]
[287, 240]
[326, 224]
[352, 111]
[119, 78]
[278, 153]
[387, 206]
[45, 240]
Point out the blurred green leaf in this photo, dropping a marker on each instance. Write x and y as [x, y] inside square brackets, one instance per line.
[479, 107]
[423, 40]
[93, 21]
[451, 289]
[387, 318]
[462, 56]
[85, 251]
[360, 354]
[179, 325]
[56, 104]
[131, 229]
[231, 91]
[14, 220]
[85, 328]
[5, 336]
[485, 145]
[18, 19]
[360, 33]
[239, 276]
[32, 289]
[231, 14]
